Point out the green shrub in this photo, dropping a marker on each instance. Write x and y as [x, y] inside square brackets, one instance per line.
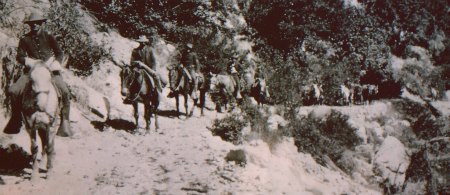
[66, 23]
[330, 136]
[229, 128]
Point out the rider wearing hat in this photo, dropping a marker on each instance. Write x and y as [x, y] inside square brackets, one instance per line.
[38, 44]
[144, 57]
[232, 70]
[190, 65]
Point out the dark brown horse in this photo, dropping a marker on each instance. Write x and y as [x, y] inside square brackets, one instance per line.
[139, 87]
[259, 91]
[178, 77]
[40, 108]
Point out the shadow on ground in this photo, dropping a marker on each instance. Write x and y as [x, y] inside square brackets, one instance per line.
[13, 160]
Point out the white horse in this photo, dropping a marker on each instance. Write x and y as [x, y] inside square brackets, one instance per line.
[40, 108]
[344, 95]
[317, 94]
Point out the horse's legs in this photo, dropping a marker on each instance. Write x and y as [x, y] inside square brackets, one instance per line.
[202, 102]
[186, 106]
[147, 116]
[48, 147]
[34, 151]
[155, 112]
[136, 114]
[44, 143]
[50, 151]
[177, 104]
[154, 108]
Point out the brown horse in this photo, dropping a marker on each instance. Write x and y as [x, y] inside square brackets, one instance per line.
[178, 77]
[139, 87]
[223, 88]
[40, 108]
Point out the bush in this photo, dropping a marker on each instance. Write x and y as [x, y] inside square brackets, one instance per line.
[330, 136]
[258, 120]
[423, 123]
[229, 128]
[66, 23]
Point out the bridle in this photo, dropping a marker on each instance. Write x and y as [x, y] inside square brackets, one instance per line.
[128, 76]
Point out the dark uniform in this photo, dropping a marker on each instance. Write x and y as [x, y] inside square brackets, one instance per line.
[38, 45]
[144, 54]
[190, 61]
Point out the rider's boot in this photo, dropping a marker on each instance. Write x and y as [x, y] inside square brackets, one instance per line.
[15, 122]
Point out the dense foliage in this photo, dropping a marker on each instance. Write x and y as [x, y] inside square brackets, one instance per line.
[330, 136]
[66, 23]
[229, 128]
[301, 40]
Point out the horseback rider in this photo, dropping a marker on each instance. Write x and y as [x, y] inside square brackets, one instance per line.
[144, 57]
[232, 70]
[190, 65]
[38, 44]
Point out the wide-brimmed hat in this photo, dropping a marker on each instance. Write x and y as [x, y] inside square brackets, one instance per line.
[142, 39]
[189, 45]
[35, 17]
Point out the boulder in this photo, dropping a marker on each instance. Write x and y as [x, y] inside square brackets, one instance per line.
[390, 162]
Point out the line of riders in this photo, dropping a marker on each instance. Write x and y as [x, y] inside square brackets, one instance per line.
[346, 94]
[143, 57]
[40, 45]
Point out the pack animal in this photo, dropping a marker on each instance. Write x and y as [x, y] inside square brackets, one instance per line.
[369, 93]
[178, 77]
[139, 87]
[260, 92]
[223, 88]
[344, 95]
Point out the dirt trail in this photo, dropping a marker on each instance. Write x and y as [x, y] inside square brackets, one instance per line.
[182, 157]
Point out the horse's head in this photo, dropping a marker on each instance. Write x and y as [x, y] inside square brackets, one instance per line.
[213, 83]
[41, 82]
[127, 75]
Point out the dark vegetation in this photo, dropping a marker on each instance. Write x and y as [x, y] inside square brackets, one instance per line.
[329, 136]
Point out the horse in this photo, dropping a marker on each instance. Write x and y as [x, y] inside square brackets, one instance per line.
[369, 93]
[434, 94]
[223, 89]
[357, 94]
[178, 77]
[344, 95]
[40, 108]
[312, 94]
[139, 84]
[259, 91]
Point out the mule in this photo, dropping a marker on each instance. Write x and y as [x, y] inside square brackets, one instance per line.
[40, 108]
[344, 95]
[434, 94]
[139, 87]
[223, 89]
[369, 93]
[178, 77]
[357, 94]
[260, 92]
[312, 94]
